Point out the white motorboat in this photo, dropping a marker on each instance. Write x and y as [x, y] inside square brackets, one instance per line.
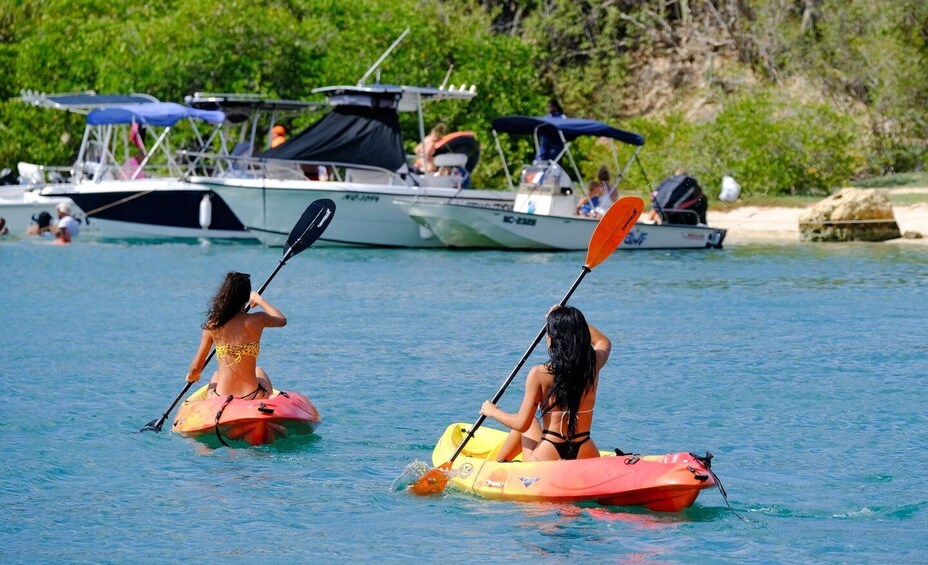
[544, 215]
[465, 226]
[353, 155]
[22, 203]
[130, 182]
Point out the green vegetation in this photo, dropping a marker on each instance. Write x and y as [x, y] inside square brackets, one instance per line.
[790, 98]
[897, 180]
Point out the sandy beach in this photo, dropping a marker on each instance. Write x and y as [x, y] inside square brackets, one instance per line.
[756, 224]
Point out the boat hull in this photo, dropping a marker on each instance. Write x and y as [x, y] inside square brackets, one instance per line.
[153, 209]
[255, 422]
[367, 215]
[667, 483]
[465, 226]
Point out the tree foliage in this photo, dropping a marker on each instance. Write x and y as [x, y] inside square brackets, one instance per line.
[789, 96]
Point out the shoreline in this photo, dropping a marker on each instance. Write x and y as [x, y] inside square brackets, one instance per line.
[761, 224]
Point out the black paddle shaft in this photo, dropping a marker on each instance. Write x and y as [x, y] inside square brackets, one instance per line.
[502, 389]
[295, 244]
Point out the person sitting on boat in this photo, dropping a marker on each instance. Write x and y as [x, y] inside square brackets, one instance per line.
[592, 205]
[565, 390]
[237, 337]
[425, 151]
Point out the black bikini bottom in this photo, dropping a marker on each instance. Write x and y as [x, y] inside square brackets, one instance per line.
[570, 447]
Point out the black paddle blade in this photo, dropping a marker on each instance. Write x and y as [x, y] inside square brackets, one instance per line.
[312, 224]
[151, 427]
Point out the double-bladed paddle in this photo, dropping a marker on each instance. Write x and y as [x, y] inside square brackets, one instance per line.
[609, 233]
[307, 230]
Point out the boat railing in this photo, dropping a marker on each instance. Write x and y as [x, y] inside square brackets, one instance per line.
[91, 171]
[37, 176]
[232, 166]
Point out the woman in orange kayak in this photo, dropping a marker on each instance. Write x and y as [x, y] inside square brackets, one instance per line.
[237, 336]
[565, 390]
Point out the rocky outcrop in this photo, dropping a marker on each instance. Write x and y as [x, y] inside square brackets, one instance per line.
[851, 214]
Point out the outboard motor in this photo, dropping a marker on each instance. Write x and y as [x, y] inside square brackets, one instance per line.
[680, 200]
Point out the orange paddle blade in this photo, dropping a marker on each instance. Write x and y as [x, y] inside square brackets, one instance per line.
[620, 218]
[433, 482]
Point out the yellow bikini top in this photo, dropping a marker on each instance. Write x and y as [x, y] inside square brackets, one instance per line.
[237, 350]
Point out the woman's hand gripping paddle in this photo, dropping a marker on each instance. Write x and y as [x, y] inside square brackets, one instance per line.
[611, 231]
[307, 230]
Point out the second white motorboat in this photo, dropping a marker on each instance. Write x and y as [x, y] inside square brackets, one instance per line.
[544, 215]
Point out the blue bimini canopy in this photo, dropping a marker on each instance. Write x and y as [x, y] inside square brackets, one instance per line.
[164, 114]
[572, 128]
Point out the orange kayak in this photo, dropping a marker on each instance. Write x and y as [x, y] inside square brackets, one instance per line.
[256, 422]
[667, 483]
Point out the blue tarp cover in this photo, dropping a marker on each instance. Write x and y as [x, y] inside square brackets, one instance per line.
[163, 114]
[572, 128]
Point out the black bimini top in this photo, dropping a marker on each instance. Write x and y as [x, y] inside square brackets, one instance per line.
[348, 134]
[363, 127]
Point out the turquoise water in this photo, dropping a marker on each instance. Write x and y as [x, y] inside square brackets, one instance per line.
[802, 368]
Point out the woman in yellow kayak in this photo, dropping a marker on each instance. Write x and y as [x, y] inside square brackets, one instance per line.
[564, 388]
[237, 336]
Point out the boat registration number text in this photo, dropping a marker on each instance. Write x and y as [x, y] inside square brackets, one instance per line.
[362, 197]
[519, 221]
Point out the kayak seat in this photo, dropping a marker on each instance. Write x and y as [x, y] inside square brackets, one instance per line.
[477, 447]
[202, 392]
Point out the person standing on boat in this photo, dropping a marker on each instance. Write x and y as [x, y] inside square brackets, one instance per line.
[237, 337]
[549, 144]
[279, 135]
[565, 390]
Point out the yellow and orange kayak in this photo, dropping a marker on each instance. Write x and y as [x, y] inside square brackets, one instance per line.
[256, 422]
[667, 483]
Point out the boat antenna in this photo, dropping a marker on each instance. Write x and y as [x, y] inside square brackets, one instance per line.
[447, 76]
[382, 57]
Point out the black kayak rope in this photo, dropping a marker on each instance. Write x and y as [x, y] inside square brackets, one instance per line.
[219, 415]
[707, 463]
[718, 481]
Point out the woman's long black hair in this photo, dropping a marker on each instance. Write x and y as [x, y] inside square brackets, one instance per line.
[230, 299]
[572, 363]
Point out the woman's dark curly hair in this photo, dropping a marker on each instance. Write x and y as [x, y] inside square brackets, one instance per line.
[572, 363]
[230, 299]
